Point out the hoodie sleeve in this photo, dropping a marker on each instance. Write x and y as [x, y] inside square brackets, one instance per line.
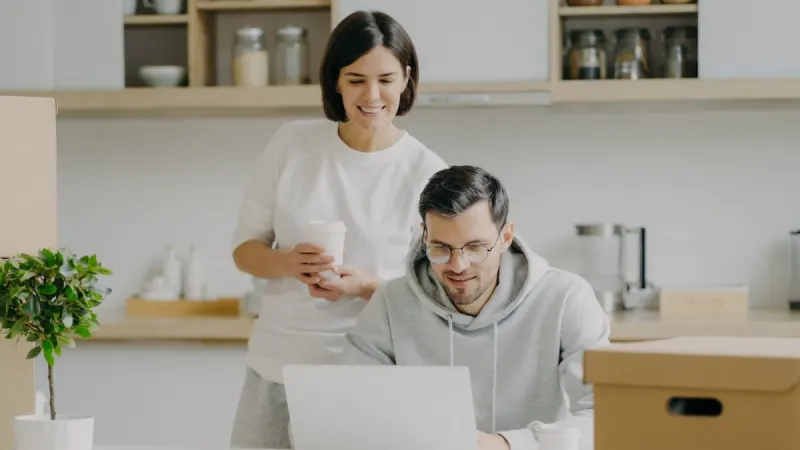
[370, 342]
[584, 325]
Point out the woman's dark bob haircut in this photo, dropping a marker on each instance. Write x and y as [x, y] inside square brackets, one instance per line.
[352, 38]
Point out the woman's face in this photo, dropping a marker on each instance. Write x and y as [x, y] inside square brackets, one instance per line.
[371, 88]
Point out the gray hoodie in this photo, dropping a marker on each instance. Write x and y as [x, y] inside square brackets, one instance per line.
[524, 350]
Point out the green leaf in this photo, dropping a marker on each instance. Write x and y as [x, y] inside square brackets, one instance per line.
[32, 338]
[49, 258]
[34, 352]
[83, 332]
[47, 346]
[32, 307]
[18, 326]
[47, 289]
[27, 276]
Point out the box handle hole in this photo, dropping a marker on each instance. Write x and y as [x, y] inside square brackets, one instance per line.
[693, 406]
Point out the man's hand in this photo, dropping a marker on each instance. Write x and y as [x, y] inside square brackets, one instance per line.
[492, 442]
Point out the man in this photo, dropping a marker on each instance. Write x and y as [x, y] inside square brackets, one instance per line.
[475, 295]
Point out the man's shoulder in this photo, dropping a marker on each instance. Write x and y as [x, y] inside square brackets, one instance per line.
[397, 292]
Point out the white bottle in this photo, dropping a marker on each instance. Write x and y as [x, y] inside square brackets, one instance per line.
[194, 285]
[171, 271]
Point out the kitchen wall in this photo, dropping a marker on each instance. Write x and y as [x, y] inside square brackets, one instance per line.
[715, 189]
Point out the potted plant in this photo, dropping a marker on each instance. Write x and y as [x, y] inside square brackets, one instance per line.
[48, 300]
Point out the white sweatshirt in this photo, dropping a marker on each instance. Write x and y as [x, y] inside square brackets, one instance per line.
[308, 173]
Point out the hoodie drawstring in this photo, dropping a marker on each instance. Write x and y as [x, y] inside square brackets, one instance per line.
[494, 367]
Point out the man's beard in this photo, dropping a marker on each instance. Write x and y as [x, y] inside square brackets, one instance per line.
[464, 298]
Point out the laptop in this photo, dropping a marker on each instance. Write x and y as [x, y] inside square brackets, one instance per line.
[340, 407]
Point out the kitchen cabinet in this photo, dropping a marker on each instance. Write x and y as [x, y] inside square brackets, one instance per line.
[88, 44]
[59, 44]
[748, 39]
[501, 41]
[26, 44]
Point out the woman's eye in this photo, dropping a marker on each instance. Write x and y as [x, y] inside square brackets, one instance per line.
[356, 82]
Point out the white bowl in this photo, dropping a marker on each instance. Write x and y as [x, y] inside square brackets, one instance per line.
[162, 76]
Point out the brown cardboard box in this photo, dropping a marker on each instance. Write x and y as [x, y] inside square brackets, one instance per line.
[697, 393]
[27, 223]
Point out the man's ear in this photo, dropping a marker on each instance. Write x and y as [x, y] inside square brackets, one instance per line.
[508, 235]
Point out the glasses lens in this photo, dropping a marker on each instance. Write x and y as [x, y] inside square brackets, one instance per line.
[475, 253]
[438, 254]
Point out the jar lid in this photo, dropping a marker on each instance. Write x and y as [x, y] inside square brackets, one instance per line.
[292, 31]
[250, 32]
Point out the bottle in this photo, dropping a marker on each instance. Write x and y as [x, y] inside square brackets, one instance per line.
[171, 271]
[194, 280]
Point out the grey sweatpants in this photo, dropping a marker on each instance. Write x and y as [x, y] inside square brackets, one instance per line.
[262, 417]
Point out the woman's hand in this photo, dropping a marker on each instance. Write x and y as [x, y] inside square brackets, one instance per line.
[352, 282]
[305, 261]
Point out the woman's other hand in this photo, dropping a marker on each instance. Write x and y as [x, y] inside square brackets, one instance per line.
[305, 261]
[352, 282]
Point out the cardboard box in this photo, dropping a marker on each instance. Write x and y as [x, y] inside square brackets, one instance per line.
[27, 223]
[697, 393]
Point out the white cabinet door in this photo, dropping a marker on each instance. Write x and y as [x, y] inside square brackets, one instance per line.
[89, 46]
[26, 45]
[748, 39]
[471, 41]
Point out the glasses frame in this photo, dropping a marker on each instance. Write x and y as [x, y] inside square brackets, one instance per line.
[461, 249]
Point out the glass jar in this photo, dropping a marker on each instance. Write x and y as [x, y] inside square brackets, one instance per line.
[250, 58]
[680, 52]
[586, 57]
[291, 56]
[632, 54]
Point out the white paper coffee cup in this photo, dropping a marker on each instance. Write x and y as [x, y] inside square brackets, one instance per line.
[331, 236]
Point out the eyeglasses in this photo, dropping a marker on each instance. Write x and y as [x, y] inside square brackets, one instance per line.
[473, 253]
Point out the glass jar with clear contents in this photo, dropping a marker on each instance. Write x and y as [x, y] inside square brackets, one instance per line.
[291, 56]
[632, 55]
[250, 58]
[680, 52]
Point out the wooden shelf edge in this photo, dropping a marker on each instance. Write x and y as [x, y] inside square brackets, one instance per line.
[181, 100]
[611, 10]
[234, 101]
[207, 329]
[625, 326]
[253, 5]
[455, 88]
[156, 19]
[632, 91]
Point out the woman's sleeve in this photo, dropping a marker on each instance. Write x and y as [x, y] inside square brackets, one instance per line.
[257, 208]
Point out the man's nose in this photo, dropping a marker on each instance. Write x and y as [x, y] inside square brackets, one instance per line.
[457, 261]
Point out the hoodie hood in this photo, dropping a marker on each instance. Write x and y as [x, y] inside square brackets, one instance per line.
[520, 270]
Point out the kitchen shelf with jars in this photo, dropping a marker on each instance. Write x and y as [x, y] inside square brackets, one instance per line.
[623, 50]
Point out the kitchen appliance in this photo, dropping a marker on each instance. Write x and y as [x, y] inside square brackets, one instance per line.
[604, 250]
[794, 270]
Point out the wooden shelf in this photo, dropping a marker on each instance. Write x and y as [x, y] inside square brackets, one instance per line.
[211, 329]
[625, 326]
[156, 19]
[182, 101]
[244, 102]
[253, 5]
[612, 91]
[611, 10]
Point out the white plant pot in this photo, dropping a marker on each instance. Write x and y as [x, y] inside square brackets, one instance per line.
[67, 432]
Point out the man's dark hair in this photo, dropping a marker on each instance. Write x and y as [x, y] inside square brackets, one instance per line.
[352, 38]
[452, 191]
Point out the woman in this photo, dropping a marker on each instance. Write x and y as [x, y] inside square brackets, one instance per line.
[356, 166]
